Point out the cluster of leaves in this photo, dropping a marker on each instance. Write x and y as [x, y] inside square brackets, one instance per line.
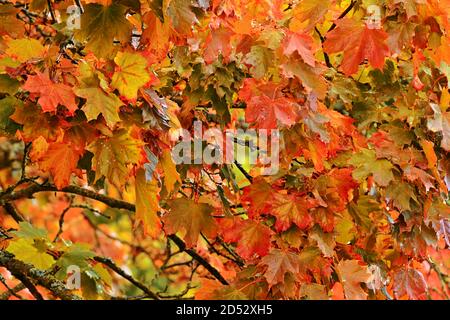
[358, 209]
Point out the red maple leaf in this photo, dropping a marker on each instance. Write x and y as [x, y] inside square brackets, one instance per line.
[266, 105]
[358, 43]
[50, 94]
[251, 237]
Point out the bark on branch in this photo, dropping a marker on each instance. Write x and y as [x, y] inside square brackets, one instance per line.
[29, 191]
[20, 269]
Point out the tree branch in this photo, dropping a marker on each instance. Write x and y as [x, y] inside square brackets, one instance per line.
[110, 264]
[180, 243]
[52, 12]
[9, 292]
[20, 269]
[28, 192]
[333, 26]
[9, 208]
[245, 173]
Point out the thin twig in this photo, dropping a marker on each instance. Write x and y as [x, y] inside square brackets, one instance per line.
[11, 291]
[52, 12]
[245, 173]
[343, 14]
[61, 220]
[110, 264]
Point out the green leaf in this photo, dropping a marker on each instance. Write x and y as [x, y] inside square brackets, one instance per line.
[7, 109]
[27, 231]
[8, 85]
[366, 164]
[77, 254]
[26, 250]
[400, 193]
[89, 288]
[101, 25]
[362, 208]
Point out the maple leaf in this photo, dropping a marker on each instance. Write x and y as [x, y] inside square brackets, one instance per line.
[100, 25]
[28, 251]
[302, 43]
[251, 237]
[99, 102]
[400, 34]
[363, 169]
[317, 152]
[410, 282]
[25, 49]
[218, 41]
[358, 44]
[191, 218]
[266, 105]
[60, 159]
[34, 122]
[113, 154]
[309, 76]
[261, 59]
[352, 274]
[171, 175]
[325, 241]
[147, 205]
[341, 180]
[156, 35]
[362, 209]
[427, 147]
[314, 291]
[94, 88]
[289, 209]
[180, 14]
[311, 11]
[9, 24]
[401, 193]
[367, 164]
[7, 109]
[131, 74]
[50, 94]
[413, 174]
[259, 194]
[410, 6]
[279, 263]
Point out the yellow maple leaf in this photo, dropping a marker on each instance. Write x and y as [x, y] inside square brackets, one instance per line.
[25, 49]
[171, 175]
[113, 154]
[130, 75]
[147, 204]
[25, 250]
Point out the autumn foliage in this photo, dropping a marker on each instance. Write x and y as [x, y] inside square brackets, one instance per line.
[89, 113]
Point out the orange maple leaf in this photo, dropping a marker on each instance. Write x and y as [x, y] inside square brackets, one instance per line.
[358, 43]
[50, 94]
